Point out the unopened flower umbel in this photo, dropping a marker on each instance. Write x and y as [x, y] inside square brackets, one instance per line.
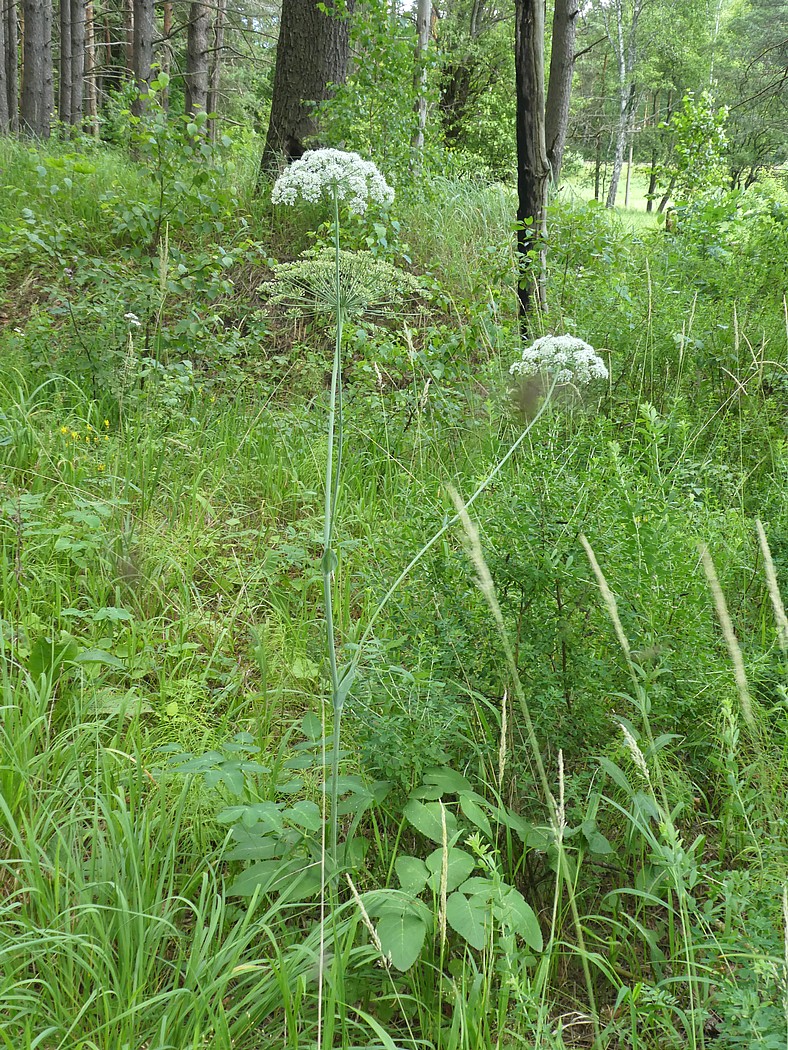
[564, 357]
[322, 173]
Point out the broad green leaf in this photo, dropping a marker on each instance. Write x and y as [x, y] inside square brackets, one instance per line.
[402, 932]
[47, 655]
[459, 866]
[514, 911]
[468, 917]
[448, 780]
[97, 656]
[615, 774]
[412, 873]
[305, 815]
[597, 842]
[478, 887]
[426, 818]
[475, 814]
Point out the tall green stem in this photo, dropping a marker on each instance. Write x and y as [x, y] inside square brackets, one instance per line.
[329, 560]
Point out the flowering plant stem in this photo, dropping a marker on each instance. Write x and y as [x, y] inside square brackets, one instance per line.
[329, 560]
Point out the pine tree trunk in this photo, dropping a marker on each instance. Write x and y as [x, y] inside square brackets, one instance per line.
[533, 171]
[128, 23]
[78, 30]
[66, 51]
[423, 14]
[196, 78]
[12, 62]
[312, 54]
[91, 91]
[142, 50]
[5, 121]
[216, 66]
[166, 51]
[559, 88]
[35, 114]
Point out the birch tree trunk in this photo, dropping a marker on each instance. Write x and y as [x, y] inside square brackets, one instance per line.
[559, 88]
[142, 49]
[64, 79]
[37, 92]
[196, 77]
[533, 171]
[78, 29]
[216, 67]
[423, 13]
[623, 40]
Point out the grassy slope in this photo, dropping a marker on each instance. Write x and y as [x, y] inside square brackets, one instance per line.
[160, 534]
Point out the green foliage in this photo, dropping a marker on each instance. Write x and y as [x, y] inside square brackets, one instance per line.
[699, 145]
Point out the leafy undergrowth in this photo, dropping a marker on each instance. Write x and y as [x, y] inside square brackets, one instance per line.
[164, 730]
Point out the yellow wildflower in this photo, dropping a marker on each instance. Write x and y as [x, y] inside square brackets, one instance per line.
[106, 422]
[64, 430]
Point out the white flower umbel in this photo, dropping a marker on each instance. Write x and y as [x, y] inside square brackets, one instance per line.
[329, 174]
[564, 357]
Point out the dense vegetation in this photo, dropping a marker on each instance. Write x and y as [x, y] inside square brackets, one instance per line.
[560, 805]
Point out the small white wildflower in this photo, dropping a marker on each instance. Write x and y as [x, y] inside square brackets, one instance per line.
[321, 173]
[567, 358]
[132, 320]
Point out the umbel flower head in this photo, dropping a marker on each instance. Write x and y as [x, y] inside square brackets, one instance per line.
[321, 173]
[564, 357]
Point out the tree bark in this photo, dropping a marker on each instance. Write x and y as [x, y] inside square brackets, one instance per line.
[533, 170]
[91, 88]
[423, 13]
[559, 88]
[37, 92]
[65, 74]
[142, 50]
[196, 77]
[11, 62]
[311, 55]
[5, 121]
[626, 108]
[216, 67]
[128, 22]
[165, 55]
[78, 30]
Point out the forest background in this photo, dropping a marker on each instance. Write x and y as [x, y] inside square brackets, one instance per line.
[356, 691]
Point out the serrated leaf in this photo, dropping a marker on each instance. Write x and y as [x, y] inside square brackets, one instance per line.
[468, 916]
[412, 873]
[402, 933]
[475, 814]
[459, 866]
[426, 818]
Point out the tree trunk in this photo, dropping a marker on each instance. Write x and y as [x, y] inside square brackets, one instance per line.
[533, 170]
[165, 56]
[559, 88]
[423, 13]
[311, 55]
[65, 77]
[196, 77]
[128, 22]
[37, 94]
[5, 120]
[11, 62]
[78, 29]
[91, 91]
[626, 106]
[144, 28]
[216, 67]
